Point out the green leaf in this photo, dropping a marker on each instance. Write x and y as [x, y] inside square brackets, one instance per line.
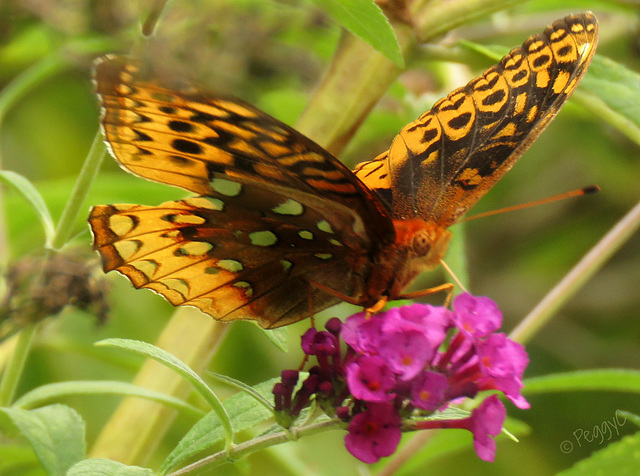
[182, 369]
[106, 467]
[366, 20]
[620, 458]
[279, 337]
[245, 412]
[243, 387]
[55, 391]
[612, 92]
[29, 191]
[632, 417]
[621, 380]
[56, 434]
[493, 52]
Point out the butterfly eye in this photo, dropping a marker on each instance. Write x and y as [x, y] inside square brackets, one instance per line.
[421, 243]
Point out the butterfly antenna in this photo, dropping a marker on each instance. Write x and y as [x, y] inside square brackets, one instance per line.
[561, 196]
[453, 275]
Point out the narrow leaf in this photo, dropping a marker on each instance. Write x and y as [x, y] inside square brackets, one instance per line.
[182, 369]
[46, 393]
[29, 191]
[106, 467]
[621, 380]
[243, 387]
[628, 416]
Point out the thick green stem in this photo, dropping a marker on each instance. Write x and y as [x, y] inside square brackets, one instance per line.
[78, 196]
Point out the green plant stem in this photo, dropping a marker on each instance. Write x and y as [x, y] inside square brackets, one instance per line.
[9, 97]
[78, 196]
[149, 26]
[581, 273]
[13, 370]
[61, 235]
[254, 445]
[434, 18]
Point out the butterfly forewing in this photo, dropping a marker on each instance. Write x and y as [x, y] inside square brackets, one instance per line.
[200, 142]
[443, 163]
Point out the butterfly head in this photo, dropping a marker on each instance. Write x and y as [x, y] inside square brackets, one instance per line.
[419, 246]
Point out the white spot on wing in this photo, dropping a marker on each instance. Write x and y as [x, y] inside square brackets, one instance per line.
[263, 238]
[195, 248]
[230, 265]
[248, 290]
[121, 224]
[208, 203]
[286, 265]
[324, 225]
[290, 207]
[226, 187]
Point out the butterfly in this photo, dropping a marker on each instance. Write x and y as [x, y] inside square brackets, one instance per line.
[279, 228]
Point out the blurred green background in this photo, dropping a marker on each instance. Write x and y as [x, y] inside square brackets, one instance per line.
[272, 54]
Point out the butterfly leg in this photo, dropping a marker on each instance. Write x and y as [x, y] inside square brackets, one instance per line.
[333, 292]
[377, 307]
[313, 324]
[310, 303]
[446, 287]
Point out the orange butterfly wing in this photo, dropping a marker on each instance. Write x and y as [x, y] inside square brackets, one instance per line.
[440, 165]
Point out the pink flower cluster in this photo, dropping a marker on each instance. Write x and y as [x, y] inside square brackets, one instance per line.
[404, 364]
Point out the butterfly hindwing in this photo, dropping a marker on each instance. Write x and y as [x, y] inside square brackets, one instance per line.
[441, 164]
[253, 266]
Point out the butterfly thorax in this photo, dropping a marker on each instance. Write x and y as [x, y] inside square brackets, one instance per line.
[419, 246]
